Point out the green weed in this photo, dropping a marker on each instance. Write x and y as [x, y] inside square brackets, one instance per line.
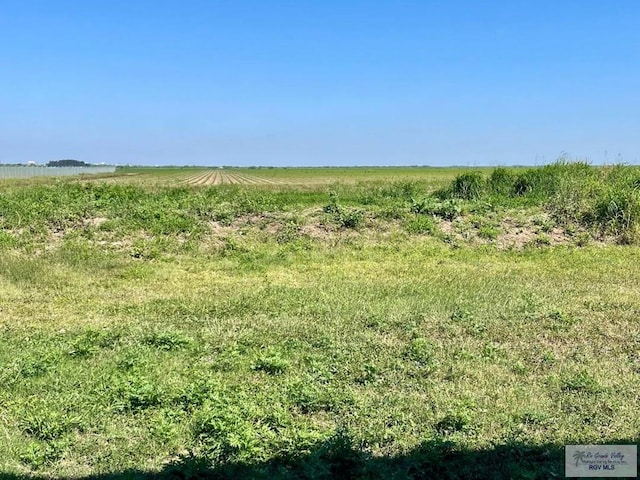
[468, 186]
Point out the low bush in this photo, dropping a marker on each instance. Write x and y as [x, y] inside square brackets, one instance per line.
[468, 186]
[501, 182]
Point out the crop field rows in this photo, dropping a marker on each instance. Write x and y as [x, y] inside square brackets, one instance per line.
[218, 177]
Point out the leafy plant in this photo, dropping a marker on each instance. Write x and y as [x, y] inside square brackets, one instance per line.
[168, 340]
[420, 225]
[344, 217]
[271, 363]
[501, 182]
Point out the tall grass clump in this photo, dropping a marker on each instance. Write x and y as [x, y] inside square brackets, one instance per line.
[468, 186]
[570, 194]
[606, 201]
[617, 212]
[501, 182]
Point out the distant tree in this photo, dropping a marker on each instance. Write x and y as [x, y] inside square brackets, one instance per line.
[67, 163]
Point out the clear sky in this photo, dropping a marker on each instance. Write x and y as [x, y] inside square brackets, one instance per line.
[324, 82]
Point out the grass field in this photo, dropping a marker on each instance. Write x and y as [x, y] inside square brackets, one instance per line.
[317, 323]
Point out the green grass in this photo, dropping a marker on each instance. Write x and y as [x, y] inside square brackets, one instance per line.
[260, 331]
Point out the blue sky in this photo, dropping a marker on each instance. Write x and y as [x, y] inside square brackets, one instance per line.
[319, 82]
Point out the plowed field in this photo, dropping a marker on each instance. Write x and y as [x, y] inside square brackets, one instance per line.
[217, 177]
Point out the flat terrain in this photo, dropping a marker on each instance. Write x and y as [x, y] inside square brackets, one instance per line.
[306, 323]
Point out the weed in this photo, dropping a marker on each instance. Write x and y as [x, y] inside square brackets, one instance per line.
[33, 368]
[146, 249]
[456, 421]
[501, 182]
[89, 342]
[468, 186]
[520, 368]
[45, 424]
[461, 315]
[333, 206]
[290, 232]
[310, 397]
[421, 225]
[134, 393]
[227, 433]
[488, 232]
[350, 218]
[271, 363]
[618, 212]
[369, 373]
[345, 217]
[167, 340]
[447, 209]
[420, 351]
[541, 240]
[581, 381]
[38, 455]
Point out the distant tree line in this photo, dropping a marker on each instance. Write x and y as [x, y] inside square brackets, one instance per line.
[67, 163]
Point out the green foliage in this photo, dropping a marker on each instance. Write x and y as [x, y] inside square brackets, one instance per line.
[90, 341]
[501, 182]
[168, 340]
[468, 186]
[581, 381]
[617, 211]
[271, 363]
[447, 209]
[488, 232]
[421, 224]
[228, 433]
[420, 351]
[38, 455]
[310, 397]
[47, 424]
[350, 218]
[529, 182]
[134, 393]
[604, 200]
[453, 422]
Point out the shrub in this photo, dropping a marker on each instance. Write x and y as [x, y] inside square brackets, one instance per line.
[501, 182]
[345, 217]
[468, 186]
[618, 212]
[527, 182]
[350, 218]
[333, 206]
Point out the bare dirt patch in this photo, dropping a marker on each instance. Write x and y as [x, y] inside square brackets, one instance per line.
[95, 221]
[512, 232]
